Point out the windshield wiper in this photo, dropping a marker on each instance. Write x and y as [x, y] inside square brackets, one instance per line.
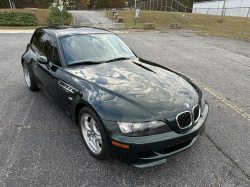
[117, 59]
[84, 63]
[93, 62]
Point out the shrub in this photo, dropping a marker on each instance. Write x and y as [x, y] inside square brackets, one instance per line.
[17, 19]
[54, 18]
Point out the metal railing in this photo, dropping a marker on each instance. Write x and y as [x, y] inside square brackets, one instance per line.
[161, 5]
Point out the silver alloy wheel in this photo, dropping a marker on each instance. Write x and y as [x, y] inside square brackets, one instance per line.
[91, 133]
[26, 75]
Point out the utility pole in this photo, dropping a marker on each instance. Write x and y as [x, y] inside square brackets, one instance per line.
[10, 5]
[223, 9]
[135, 4]
[150, 5]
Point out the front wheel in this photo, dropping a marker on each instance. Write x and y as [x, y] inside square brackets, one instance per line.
[93, 134]
[28, 79]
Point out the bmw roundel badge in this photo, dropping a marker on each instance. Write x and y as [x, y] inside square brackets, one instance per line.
[187, 105]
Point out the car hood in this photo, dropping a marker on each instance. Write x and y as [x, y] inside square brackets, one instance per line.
[144, 83]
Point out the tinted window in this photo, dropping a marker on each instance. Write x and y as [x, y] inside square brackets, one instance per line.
[94, 47]
[42, 42]
[48, 47]
[56, 58]
[36, 42]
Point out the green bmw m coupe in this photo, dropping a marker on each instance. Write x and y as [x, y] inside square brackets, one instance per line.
[136, 110]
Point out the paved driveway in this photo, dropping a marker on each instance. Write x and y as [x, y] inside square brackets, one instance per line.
[97, 19]
[40, 146]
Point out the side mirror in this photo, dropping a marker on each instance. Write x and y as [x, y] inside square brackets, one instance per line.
[42, 60]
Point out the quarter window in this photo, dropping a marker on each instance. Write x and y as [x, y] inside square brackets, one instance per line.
[36, 42]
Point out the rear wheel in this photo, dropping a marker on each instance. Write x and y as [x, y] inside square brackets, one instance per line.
[28, 79]
[93, 134]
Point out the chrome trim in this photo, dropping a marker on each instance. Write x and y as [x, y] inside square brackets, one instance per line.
[191, 116]
[67, 87]
[199, 113]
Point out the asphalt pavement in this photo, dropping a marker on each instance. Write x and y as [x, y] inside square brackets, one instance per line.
[41, 146]
[97, 18]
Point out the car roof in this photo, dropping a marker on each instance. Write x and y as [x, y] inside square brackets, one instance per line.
[66, 31]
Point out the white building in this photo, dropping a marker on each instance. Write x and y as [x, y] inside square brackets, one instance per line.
[234, 7]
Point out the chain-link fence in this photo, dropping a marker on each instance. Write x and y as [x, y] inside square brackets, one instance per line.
[233, 20]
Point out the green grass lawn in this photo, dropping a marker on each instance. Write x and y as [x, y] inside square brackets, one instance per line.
[232, 26]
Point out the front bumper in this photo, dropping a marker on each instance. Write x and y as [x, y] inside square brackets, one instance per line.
[152, 150]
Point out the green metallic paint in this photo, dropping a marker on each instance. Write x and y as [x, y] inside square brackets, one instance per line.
[132, 90]
[153, 143]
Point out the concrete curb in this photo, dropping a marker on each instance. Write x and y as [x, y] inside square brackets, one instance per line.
[10, 31]
[132, 31]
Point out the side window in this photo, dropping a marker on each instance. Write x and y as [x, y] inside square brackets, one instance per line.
[36, 42]
[56, 58]
[48, 47]
[55, 54]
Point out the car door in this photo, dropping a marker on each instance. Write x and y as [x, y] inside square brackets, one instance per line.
[48, 75]
[66, 91]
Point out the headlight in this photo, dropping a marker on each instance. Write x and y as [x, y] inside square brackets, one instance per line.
[143, 129]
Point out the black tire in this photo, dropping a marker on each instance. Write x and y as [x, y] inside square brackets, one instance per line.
[28, 78]
[83, 114]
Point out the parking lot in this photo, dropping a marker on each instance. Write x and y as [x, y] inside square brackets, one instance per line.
[40, 146]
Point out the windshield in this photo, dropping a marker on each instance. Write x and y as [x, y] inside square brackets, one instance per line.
[94, 47]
